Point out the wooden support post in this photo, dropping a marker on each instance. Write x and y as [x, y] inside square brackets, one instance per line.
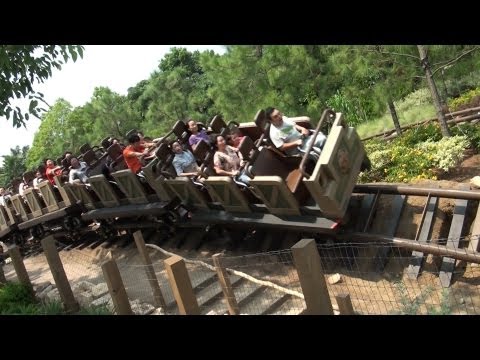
[312, 280]
[19, 266]
[61, 281]
[233, 308]
[116, 288]
[158, 298]
[181, 286]
[344, 304]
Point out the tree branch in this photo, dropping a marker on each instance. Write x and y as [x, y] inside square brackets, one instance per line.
[450, 62]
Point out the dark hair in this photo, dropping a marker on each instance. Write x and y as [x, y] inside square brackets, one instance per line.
[132, 139]
[268, 112]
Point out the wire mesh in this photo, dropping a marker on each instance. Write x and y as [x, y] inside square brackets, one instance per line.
[265, 283]
[382, 279]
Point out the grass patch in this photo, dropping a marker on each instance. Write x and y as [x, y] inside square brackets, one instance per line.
[406, 117]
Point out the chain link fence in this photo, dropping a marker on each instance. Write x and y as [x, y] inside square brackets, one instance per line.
[380, 278]
[385, 279]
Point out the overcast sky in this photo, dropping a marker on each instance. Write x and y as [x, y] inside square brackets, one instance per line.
[115, 66]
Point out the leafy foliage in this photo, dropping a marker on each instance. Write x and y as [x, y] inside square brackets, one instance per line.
[21, 66]
[49, 140]
[416, 155]
[13, 165]
[95, 310]
[16, 298]
[464, 99]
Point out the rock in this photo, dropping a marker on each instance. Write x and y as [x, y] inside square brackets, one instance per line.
[84, 299]
[102, 300]
[140, 308]
[53, 295]
[158, 311]
[334, 279]
[82, 287]
[475, 181]
[42, 286]
[461, 301]
[212, 312]
[99, 290]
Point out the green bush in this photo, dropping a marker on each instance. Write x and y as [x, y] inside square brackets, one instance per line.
[16, 298]
[341, 103]
[470, 131]
[463, 99]
[95, 310]
[461, 85]
[415, 155]
[419, 134]
[414, 99]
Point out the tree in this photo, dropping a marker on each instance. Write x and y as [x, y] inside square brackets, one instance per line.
[21, 66]
[176, 92]
[433, 90]
[48, 141]
[296, 79]
[13, 165]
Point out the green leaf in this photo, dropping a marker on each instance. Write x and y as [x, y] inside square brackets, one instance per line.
[33, 105]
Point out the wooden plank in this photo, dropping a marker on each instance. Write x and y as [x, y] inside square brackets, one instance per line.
[224, 279]
[181, 286]
[391, 224]
[424, 234]
[475, 233]
[309, 268]
[448, 264]
[59, 275]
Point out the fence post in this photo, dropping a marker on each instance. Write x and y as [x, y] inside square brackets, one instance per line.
[116, 288]
[344, 304]
[158, 298]
[59, 276]
[19, 266]
[3, 280]
[227, 289]
[312, 280]
[181, 286]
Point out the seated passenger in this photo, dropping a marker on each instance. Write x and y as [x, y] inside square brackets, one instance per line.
[134, 153]
[3, 196]
[52, 170]
[22, 186]
[227, 162]
[145, 142]
[289, 137]
[39, 177]
[236, 137]
[196, 136]
[184, 162]
[78, 171]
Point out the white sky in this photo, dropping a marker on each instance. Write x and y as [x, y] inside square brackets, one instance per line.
[115, 66]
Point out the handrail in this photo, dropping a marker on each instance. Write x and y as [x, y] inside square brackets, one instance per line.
[301, 167]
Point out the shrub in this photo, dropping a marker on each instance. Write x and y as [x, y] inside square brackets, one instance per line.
[414, 99]
[415, 155]
[95, 310]
[464, 99]
[16, 298]
[470, 131]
